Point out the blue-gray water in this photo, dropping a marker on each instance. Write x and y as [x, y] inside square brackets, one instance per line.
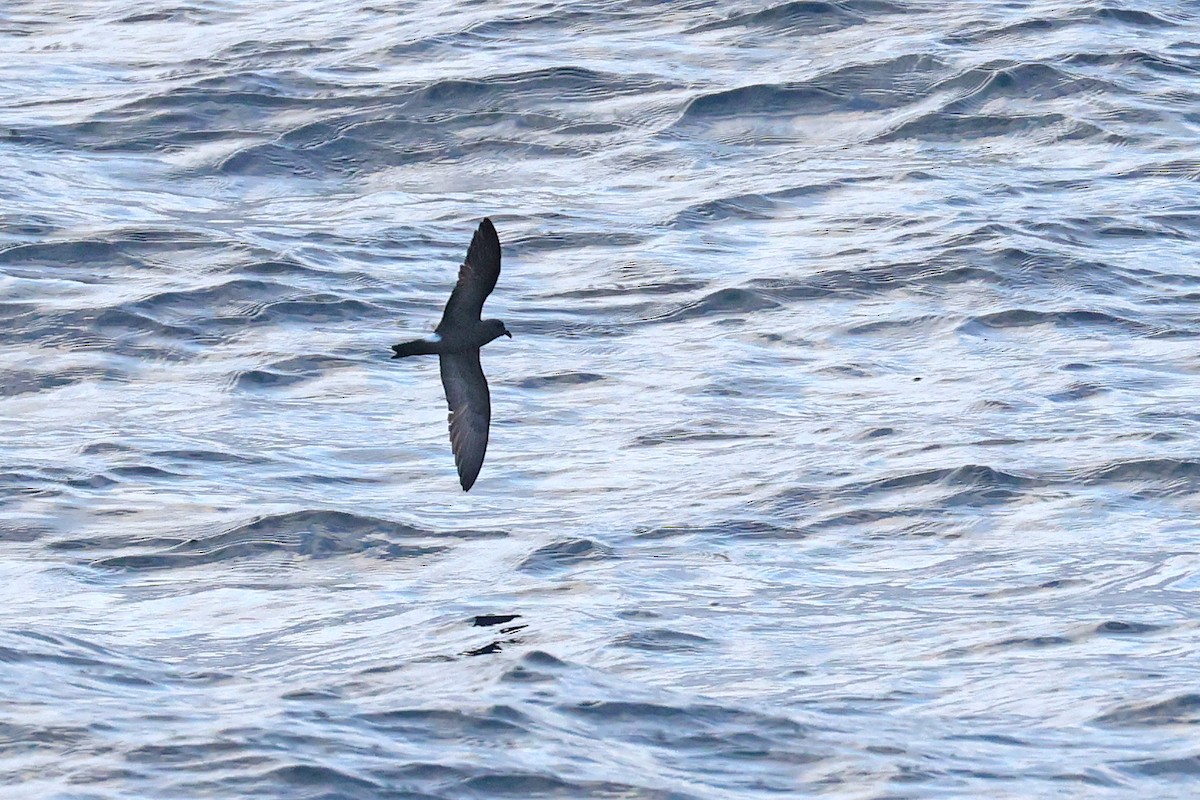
[847, 444]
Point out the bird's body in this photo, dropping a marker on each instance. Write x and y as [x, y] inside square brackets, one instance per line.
[456, 342]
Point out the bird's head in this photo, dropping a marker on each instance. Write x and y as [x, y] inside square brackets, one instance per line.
[496, 329]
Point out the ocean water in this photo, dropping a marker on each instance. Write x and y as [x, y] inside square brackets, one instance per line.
[848, 444]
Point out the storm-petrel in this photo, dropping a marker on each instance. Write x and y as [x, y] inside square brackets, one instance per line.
[457, 340]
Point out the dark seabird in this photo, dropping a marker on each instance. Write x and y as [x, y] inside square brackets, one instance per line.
[456, 341]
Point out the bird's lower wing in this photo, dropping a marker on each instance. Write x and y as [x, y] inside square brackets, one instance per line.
[470, 412]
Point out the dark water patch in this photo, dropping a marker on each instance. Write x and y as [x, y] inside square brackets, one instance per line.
[288, 372]
[1076, 392]
[446, 119]
[992, 738]
[311, 695]
[321, 308]
[561, 380]
[301, 777]
[1127, 16]
[319, 150]
[543, 20]
[888, 83]
[88, 260]
[798, 16]
[1159, 436]
[204, 456]
[719, 303]
[362, 150]
[311, 534]
[916, 500]
[544, 324]
[104, 448]
[1015, 267]
[564, 554]
[866, 518]
[552, 241]
[728, 529]
[978, 33]
[91, 481]
[266, 380]
[126, 321]
[1185, 168]
[592, 129]
[753, 206]
[64, 643]
[1153, 477]
[17, 738]
[498, 783]
[1148, 230]
[76, 659]
[235, 298]
[976, 476]
[490, 620]
[1187, 767]
[1013, 643]
[1025, 80]
[519, 91]
[144, 472]
[765, 99]
[198, 755]
[685, 435]
[232, 104]
[1181, 709]
[117, 330]
[1173, 223]
[662, 640]
[872, 280]
[1121, 628]
[16, 531]
[856, 370]
[613, 292]
[946, 127]
[746, 207]
[1074, 319]
[279, 267]
[910, 325]
[1130, 59]
[439, 724]
[19, 382]
[255, 50]
[703, 726]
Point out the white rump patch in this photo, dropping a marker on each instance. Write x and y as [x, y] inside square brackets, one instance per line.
[433, 338]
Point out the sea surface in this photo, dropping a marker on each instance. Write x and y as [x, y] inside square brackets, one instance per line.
[848, 444]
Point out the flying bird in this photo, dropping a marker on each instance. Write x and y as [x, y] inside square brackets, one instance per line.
[456, 341]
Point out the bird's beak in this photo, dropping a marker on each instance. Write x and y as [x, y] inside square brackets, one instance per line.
[506, 333]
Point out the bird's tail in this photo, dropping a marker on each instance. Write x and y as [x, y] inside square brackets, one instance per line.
[417, 347]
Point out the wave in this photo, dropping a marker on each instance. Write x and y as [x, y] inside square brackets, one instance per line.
[310, 533]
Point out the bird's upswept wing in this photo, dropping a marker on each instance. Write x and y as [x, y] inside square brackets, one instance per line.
[470, 411]
[476, 278]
